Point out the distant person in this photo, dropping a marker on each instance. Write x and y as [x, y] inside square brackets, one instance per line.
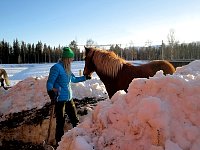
[60, 92]
[4, 77]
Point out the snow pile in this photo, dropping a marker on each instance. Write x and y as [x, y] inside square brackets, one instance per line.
[91, 88]
[25, 95]
[156, 114]
[31, 93]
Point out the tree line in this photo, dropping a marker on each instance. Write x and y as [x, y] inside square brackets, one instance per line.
[20, 52]
[183, 51]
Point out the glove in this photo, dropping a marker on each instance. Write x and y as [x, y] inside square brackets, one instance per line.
[53, 96]
[88, 77]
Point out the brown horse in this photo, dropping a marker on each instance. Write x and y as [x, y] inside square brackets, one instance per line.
[5, 77]
[116, 73]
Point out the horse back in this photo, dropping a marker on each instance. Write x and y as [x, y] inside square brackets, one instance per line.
[129, 72]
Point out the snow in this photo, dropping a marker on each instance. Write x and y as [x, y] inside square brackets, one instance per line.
[159, 113]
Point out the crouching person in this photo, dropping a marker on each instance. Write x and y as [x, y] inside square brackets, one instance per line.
[60, 92]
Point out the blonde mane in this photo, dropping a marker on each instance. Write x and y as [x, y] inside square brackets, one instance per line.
[5, 76]
[107, 62]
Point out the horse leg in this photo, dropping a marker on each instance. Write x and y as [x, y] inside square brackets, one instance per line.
[2, 82]
[111, 90]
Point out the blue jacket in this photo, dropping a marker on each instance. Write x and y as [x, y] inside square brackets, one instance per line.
[59, 79]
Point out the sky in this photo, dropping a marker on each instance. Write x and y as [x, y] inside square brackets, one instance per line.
[127, 22]
[147, 117]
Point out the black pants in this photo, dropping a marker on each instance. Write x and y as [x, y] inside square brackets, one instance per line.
[61, 108]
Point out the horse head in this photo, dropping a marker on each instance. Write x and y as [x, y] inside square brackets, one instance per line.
[89, 64]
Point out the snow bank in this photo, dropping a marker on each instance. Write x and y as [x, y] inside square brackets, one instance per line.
[156, 114]
[25, 95]
[31, 93]
[93, 88]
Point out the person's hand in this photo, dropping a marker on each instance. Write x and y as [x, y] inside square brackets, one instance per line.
[53, 96]
[88, 77]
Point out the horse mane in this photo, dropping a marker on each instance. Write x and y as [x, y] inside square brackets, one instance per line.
[107, 62]
[5, 76]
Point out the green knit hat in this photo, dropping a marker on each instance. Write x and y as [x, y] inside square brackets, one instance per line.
[67, 52]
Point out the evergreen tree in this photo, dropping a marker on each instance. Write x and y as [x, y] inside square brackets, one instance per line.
[38, 51]
[16, 51]
[23, 52]
[29, 53]
[73, 45]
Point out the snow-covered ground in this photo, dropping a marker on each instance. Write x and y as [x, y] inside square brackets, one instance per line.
[18, 72]
[159, 113]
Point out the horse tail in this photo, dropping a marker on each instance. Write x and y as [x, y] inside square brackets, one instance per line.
[168, 68]
[5, 76]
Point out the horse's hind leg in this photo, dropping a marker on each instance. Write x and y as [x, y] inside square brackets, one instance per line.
[2, 82]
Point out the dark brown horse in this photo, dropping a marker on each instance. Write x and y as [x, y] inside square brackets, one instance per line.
[116, 73]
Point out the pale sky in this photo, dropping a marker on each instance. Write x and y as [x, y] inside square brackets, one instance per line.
[104, 21]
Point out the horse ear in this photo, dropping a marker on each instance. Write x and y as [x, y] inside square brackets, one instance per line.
[87, 49]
